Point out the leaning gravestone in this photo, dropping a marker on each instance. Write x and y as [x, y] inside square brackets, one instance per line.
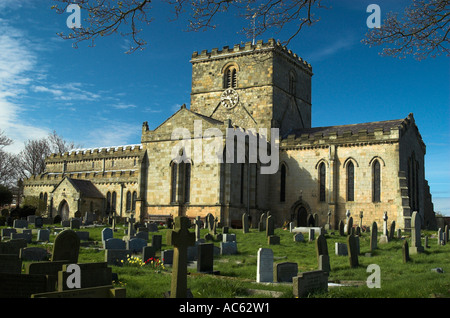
[245, 223]
[66, 247]
[264, 267]
[322, 249]
[416, 243]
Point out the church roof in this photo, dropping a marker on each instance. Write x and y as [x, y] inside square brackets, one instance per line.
[353, 128]
[86, 188]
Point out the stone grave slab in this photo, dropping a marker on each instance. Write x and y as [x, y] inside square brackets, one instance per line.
[310, 282]
[284, 272]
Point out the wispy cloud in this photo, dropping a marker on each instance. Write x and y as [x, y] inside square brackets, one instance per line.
[67, 92]
[123, 106]
[333, 48]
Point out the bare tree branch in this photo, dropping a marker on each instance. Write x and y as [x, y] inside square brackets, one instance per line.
[422, 31]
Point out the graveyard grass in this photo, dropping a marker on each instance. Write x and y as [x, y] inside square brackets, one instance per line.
[414, 279]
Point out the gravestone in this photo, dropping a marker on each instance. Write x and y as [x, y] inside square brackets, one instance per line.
[205, 258]
[26, 236]
[310, 282]
[299, 237]
[262, 222]
[38, 222]
[264, 267]
[340, 249]
[273, 240]
[43, 235]
[148, 252]
[22, 285]
[209, 222]
[269, 226]
[20, 224]
[439, 237]
[66, 246]
[152, 227]
[75, 223]
[198, 223]
[245, 223]
[6, 232]
[12, 246]
[10, 264]
[92, 275]
[328, 225]
[405, 251]
[392, 231]
[416, 243]
[229, 237]
[284, 272]
[324, 263]
[131, 231]
[228, 248]
[135, 245]
[322, 249]
[352, 251]
[341, 228]
[349, 226]
[167, 257]
[107, 233]
[115, 244]
[311, 235]
[373, 236]
[180, 238]
[33, 254]
[116, 257]
[83, 235]
[157, 242]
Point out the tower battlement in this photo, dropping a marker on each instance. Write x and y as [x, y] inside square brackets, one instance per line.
[250, 48]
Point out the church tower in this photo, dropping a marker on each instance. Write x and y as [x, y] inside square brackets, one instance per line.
[264, 85]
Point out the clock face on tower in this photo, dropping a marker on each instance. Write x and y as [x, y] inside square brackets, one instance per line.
[229, 98]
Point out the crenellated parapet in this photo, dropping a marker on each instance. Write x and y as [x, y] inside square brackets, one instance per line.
[249, 48]
[351, 135]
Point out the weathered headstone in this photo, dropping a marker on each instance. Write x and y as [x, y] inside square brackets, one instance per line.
[245, 223]
[167, 257]
[262, 222]
[439, 237]
[299, 237]
[352, 251]
[43, 235]
[148, 252]
[349, 225]
[416, 243]
[341, 228]
[340, 249]
[228, 248]
[66, 247]
[311, 235]
[373, 236]
[392, 231]
[115, 244]
[269, 226]
[273, 240]
[324, 263]
[328, 225]
[310, 282]
[75, 223]
[230, 237]
[33, 254]
[92, 275]
[284, 272]
[264, 267]
[322, 249]
[135, 245]
[20, 224]
[157, 242]
[180, 238]
[116, 257]
[405, 251]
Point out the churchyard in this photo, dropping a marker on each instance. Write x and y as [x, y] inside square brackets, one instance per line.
[243, 262]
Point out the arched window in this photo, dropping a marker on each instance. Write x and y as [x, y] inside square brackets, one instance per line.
[283, 183]
[322, 182]
[128, 202]
[173, 190]
[241, 196]
[133, 204]
[113, 201]
[108, 202]
[376, 181]
[413, 182]
[187, 182]
[230, 77]
[350, 181]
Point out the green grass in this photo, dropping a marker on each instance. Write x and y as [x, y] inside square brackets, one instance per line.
[414, 279]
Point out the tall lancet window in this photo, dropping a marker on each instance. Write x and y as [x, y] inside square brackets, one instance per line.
[376, 181]
[322, 182]
[350, 182]
[283, 183]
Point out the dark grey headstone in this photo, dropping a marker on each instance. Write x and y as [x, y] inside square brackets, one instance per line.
[66, 247]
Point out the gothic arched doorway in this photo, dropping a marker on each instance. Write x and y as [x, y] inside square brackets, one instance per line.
[63, 210]
[301, 216]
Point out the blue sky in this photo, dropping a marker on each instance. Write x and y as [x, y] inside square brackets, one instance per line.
[99, 96]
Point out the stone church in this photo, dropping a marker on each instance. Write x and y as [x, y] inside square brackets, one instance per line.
[262, 90]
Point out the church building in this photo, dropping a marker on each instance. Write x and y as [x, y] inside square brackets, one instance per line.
[262, 92]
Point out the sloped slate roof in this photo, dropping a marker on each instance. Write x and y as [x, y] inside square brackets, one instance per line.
[86, 188]
[354, 128]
